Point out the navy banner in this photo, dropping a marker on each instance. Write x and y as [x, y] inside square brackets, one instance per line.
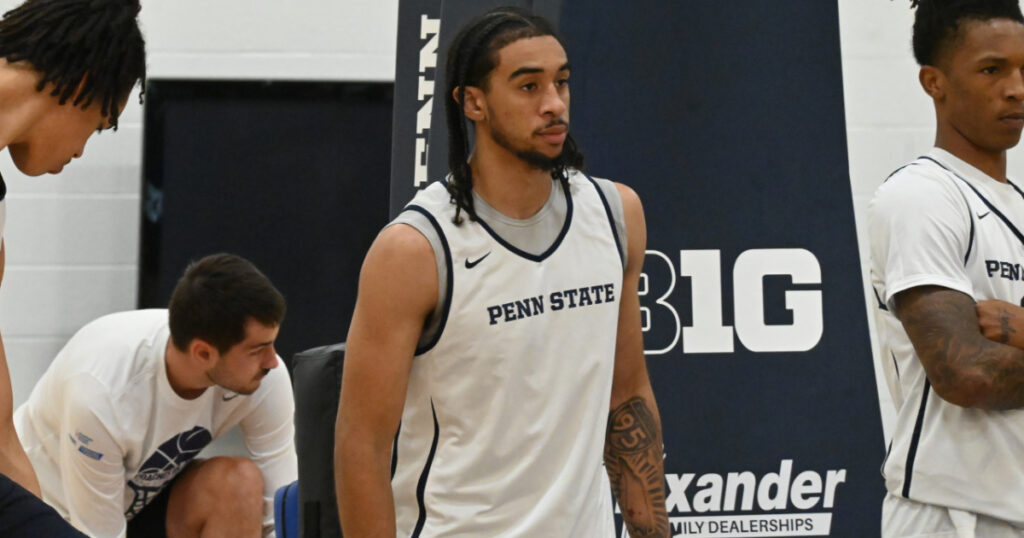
[728, 121]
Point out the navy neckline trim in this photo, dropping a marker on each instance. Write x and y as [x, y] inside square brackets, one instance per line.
[554, 246]
[1002, 217]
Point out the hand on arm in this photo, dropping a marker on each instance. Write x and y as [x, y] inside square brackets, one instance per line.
[1001, 322]
[397, 291]
[633, 449]
[14, 462]
[964, 367]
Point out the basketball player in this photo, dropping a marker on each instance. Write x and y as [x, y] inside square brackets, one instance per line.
[498, 322]
[946, 232]
[66, 69]
[115, 421]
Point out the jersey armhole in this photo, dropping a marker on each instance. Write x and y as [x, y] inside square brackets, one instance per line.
[447, 299]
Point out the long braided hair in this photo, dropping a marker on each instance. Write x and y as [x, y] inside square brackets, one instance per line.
[937, 22]
[91, 50]
[472, 56]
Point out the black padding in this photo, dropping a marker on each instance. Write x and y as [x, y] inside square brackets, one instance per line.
[316, 376]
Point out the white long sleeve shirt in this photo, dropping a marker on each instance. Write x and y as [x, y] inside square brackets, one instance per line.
[106, 432]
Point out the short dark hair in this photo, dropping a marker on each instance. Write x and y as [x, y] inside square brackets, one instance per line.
[95, 45]
[216, 297]
[937, 23]
[472, 55]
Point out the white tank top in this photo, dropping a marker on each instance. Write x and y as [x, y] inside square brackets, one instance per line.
[504, 423]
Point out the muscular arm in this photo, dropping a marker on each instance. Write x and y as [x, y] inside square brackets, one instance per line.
[633, 447]
[963, 366]
[397, 290]
[14, 462]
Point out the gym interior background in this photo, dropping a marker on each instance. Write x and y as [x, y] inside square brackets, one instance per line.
[73, 241]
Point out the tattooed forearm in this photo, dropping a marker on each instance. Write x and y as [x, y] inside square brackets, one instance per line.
[967, 366]
[633, 457]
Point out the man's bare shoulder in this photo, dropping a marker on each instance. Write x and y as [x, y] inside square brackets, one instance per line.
[400, 267]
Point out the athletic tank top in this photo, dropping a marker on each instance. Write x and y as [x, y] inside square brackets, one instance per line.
[504, 423]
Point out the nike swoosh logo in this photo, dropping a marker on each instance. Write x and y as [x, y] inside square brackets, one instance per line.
[229, 398]
[472, 264]
[983, 215]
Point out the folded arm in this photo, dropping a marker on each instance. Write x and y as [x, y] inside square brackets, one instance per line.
[964, 367]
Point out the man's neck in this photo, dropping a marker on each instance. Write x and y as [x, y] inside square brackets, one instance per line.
[507, 183]
[992, 163]
[183, 380]
[21, 104]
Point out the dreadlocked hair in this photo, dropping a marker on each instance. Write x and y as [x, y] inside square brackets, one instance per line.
[91, 50]
[472, 56]
[937, 22]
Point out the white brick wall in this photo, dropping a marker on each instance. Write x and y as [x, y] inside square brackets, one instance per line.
[72, 240]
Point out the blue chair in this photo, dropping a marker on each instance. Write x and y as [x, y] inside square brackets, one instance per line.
[286, 511]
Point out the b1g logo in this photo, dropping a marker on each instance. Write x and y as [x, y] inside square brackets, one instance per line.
[707, 332]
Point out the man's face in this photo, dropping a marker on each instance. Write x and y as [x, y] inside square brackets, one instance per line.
[527, 100]
[57, 137]
[241, 368]
[984, 97]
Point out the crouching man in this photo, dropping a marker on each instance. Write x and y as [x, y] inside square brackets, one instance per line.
[115, 423]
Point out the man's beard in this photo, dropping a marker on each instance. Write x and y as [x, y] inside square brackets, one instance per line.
[531, 157]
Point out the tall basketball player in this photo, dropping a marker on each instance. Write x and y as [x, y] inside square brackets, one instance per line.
[946, 248]
[498, 323]
[66, 69]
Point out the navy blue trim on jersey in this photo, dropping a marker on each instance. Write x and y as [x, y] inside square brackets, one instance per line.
[886, 458]
[394, 450]
[421, 487]
[1006, 221]
[611, 219]
[448, 292]
[894, 172]
[896, 364]
[554, 246]
[915, 439]
[881, 303]
[970, 238]
[1016, 188]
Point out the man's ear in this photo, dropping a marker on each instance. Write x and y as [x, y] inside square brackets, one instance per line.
[476, 103]
[933, 81]
[202, 351]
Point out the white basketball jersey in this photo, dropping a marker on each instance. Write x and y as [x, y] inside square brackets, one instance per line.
[943, 454]
[505, 416]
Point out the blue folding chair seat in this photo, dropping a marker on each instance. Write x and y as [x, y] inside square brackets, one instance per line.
[286, 511]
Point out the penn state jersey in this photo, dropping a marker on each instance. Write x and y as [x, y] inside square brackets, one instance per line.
[939, 221]
[504, 423]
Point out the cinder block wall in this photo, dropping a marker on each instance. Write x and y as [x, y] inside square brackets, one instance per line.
[72, 240]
